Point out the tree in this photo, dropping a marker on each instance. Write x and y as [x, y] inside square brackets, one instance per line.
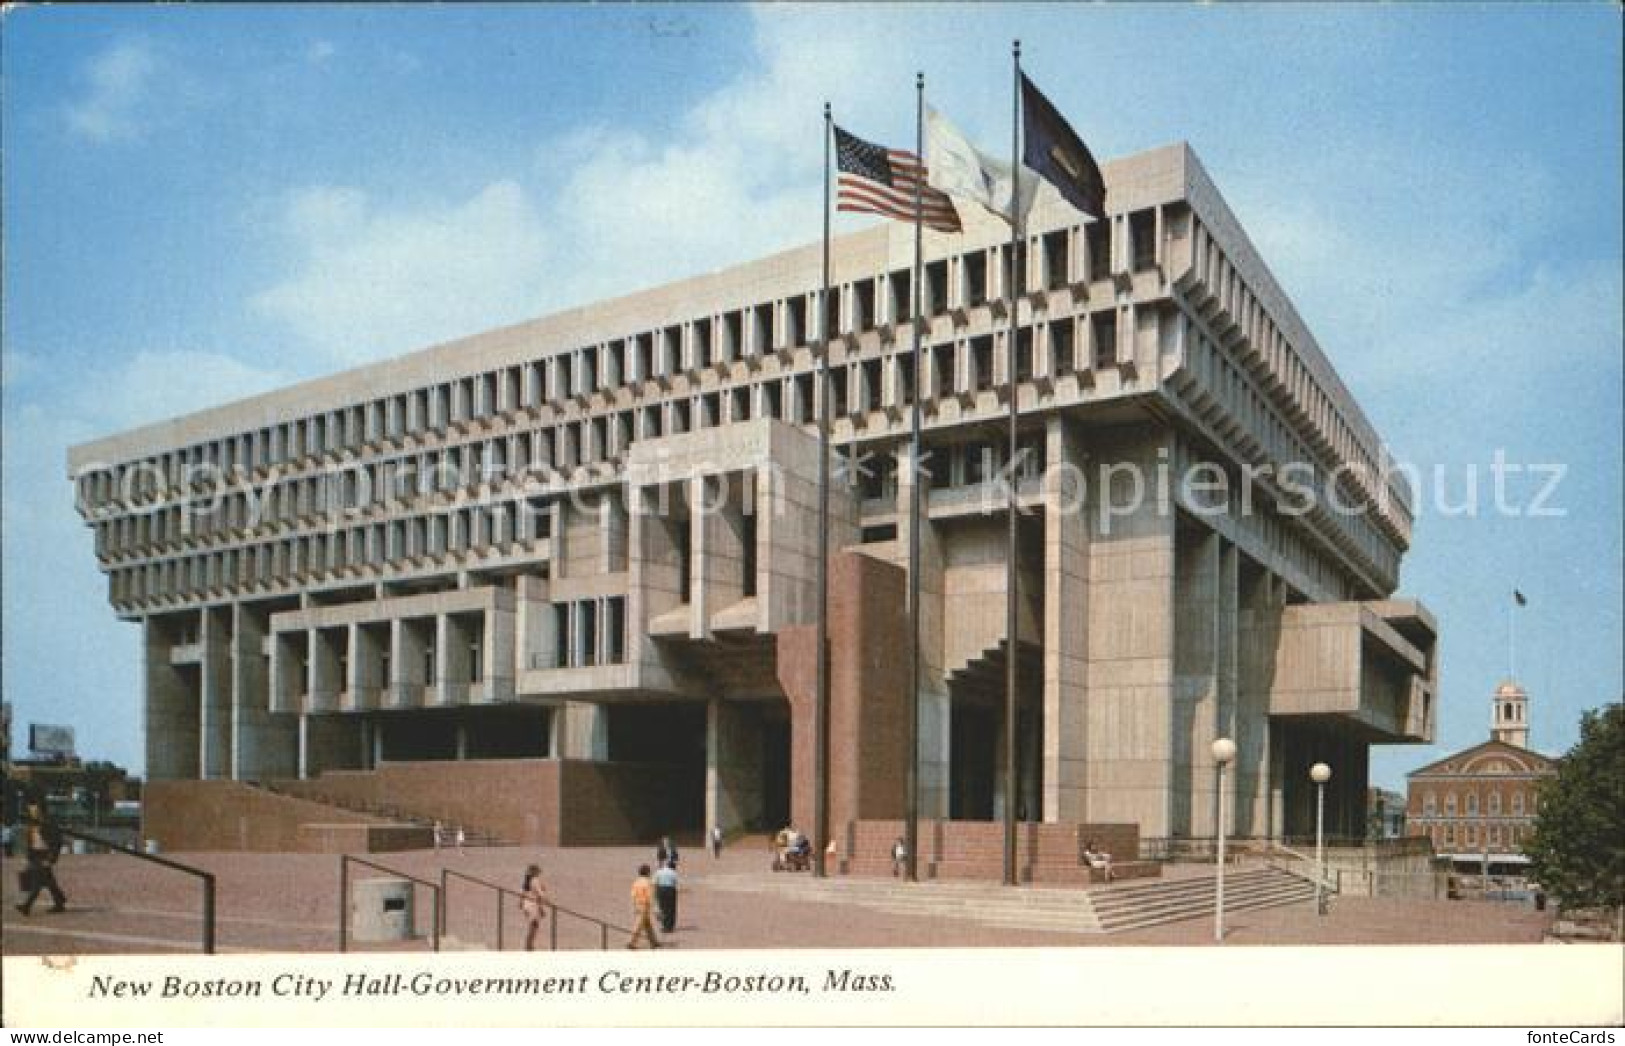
[1577, 852]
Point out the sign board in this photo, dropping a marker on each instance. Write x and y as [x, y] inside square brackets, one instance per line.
[47, 739]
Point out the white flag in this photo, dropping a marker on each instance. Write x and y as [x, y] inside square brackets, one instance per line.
[958, 168]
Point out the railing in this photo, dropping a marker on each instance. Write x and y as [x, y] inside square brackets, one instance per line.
[345, 860]
[443, 917]
[207, 877]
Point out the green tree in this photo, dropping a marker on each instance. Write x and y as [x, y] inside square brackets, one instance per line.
[1577, 851]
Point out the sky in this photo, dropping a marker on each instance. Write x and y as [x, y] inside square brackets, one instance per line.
[203, 203]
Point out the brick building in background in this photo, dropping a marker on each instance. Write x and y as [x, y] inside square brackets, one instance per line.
[556, 581]
[1479, 805]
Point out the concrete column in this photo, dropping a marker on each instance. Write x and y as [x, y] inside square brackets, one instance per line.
[262, 744]
[214, 705]
[462, 741]
[935, 706]
[323, 666]
[1196, 701]
[406, 667]
[173, 718]
[733, 766]
[585, 732]
[1066, 619]
[717, 546]
[498, 654]
[1130, 637]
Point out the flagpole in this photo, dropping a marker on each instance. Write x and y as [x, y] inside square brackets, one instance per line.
[1011, 776]
[911, 831]
[1512, 637]
[820, 833]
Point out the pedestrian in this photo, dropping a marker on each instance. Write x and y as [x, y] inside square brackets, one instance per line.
[642, 910]
[666, 896]
[462, 837]
[666, 853]
[716, 841]
[44, 844]
[439, 833]
[533, 903]
[899, 856]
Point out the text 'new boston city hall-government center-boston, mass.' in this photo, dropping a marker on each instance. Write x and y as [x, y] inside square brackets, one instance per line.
[558, 581]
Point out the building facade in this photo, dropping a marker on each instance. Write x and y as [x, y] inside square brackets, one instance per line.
[1479, 805]
[588, 543]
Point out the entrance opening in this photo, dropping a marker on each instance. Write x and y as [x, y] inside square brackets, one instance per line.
[775, 768]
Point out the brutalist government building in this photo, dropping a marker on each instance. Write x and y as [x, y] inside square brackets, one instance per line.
[556, 582]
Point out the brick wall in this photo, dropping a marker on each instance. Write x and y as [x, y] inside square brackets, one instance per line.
[619, 803]
[225, 815]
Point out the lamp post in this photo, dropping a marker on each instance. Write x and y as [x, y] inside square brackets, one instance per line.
[1224, 750]
[1320, 773]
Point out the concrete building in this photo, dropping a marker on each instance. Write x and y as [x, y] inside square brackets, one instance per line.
[565, 570]
[1479, 805]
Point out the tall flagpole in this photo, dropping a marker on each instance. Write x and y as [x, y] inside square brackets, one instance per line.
[820, 833]
[1011, 776]
[911, 828]
[1512, 637]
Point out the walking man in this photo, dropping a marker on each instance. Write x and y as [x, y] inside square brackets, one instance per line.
[716, 841]
[44, 847]
[666, 896]
[643, 896]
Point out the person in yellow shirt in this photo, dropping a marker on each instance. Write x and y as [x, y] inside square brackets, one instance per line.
[643, 896]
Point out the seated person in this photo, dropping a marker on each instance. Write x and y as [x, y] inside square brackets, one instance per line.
[1097, 858]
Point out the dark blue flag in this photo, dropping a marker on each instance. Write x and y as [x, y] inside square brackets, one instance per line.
[1054, 150]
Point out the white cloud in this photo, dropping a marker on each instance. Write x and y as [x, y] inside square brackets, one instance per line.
[320, 52]
[369, 281]
[118, 86]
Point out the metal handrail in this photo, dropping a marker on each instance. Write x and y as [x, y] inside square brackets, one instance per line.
[344, 896]
[557, 910]
[207, 877]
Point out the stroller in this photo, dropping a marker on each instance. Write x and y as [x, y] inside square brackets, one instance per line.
[792, 851]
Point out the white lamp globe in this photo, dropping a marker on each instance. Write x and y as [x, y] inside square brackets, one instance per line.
[1320, 773]
[1224, 750]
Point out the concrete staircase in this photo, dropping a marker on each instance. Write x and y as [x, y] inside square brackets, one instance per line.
[1102, 909]
[448, 830]
[1134, 906]
[1021, 907]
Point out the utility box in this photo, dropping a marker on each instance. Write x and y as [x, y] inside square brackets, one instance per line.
[381, 910]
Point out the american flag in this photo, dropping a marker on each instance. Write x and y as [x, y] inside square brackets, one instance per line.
[881, 181]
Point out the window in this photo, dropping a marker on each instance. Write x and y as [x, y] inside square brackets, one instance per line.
[1517, 802]
[1450, 804]
[975, 278]
[747, 542]
[1061, 333]
[1472, 803]
[1142, 230]
[1099, 240]
[1056, 259]
[1430, 804]
[1105, 331]
[982, 362]
[1495, 802]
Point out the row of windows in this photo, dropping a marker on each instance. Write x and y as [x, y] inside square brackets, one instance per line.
[1240, 394]
[1470, 835]
[971, 366]
[1054, 260]
[1280, 359]
[586, 632]
[504, 527]
[1470, 803]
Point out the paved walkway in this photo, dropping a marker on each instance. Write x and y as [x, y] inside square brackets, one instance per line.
[289, 902]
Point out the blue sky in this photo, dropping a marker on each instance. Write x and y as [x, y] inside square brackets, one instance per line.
[204, 203]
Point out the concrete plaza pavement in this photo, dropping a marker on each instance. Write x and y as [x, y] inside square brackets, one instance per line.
[289, 903]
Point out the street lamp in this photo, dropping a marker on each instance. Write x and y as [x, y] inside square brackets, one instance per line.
[1224, 750]
[1320, 773]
